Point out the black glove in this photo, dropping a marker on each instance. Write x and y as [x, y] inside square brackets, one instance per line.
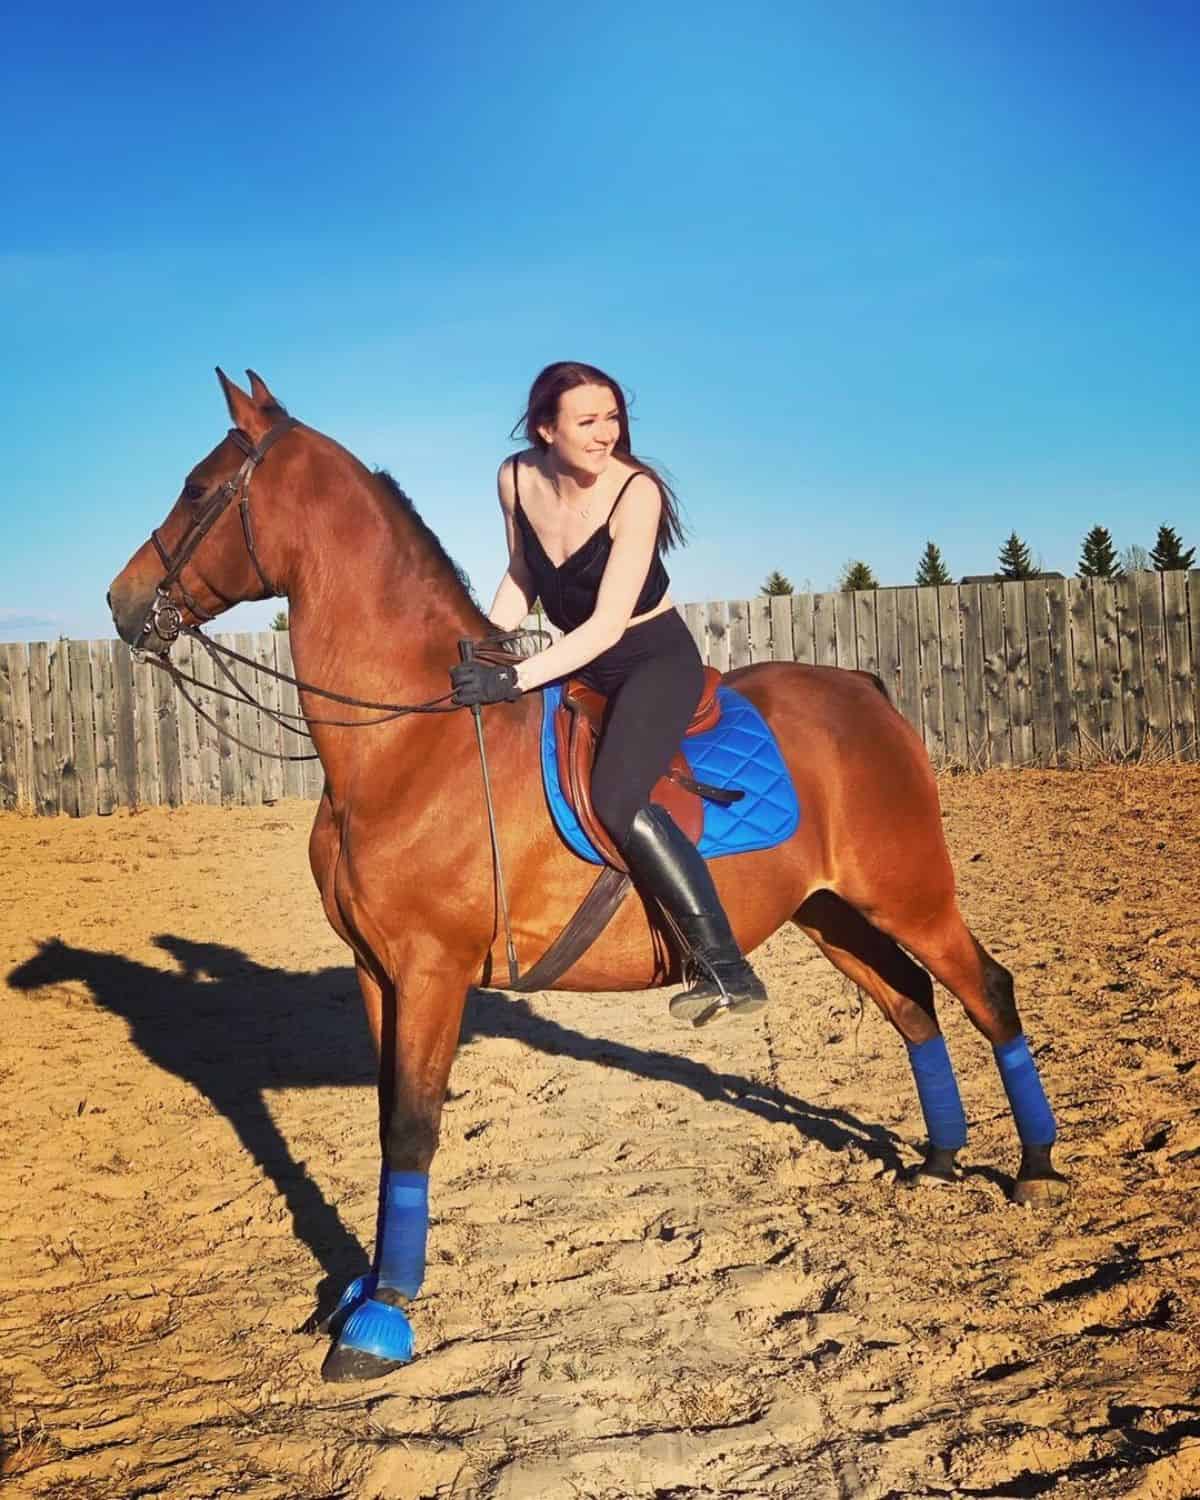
[477, 682]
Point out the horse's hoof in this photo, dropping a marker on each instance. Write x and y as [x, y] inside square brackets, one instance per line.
[343, 1365]
[1041, 1192]
[938, 1170]
[375, 1340]
[922, 1177]
[1038, 1185]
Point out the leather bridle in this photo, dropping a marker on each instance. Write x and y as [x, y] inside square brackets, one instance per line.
[164, 618]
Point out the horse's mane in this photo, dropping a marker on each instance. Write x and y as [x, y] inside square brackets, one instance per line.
[439, 554]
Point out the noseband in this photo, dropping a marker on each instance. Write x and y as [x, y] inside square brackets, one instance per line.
[164, 617]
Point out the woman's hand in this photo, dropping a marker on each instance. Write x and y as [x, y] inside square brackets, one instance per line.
[476, 682]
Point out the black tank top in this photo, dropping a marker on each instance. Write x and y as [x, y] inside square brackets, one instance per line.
[568, 591]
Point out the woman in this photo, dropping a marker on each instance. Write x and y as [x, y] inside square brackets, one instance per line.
[587, 524]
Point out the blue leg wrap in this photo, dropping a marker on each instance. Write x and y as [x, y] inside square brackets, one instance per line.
[1030, 1107]
[403, 1228]
[937, 1089]
[375, 1327]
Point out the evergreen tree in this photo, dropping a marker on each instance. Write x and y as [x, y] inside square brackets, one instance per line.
[1015, 559]
[280, 620]
[857, 575]
[1168, 552]
[931, 569]
[777, 584]
[1099, 558]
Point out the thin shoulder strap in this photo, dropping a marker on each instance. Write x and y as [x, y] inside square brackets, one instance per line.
[516, 486]
[637, 473]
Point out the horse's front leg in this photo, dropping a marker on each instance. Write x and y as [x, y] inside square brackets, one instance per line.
[416, 1019]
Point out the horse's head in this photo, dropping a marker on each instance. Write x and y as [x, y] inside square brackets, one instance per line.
[213, 550]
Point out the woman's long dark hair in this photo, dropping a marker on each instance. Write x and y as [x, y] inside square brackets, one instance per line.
[541, 410]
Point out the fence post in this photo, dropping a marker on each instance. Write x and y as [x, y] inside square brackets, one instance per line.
[10, 794]
[1016, 662]
[866, 644]
[1133, 682]
[824, 630]
[970, 610]
[995, 675]
[1152, 631]
[47, 784]
[845, 635]
[1179, 664]
[103, 707]
[18, 666]
[803, 628]
[1066, 742]
[908, 638]
[782, 648]
[760, 629]
[1193, 593]
[60, 719]
[932, 715]
[125, 725]
[739, 633]
[718, 635]
[954, 703]
[887, 638]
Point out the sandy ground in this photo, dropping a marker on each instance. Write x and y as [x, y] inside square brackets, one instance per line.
[663, 1263]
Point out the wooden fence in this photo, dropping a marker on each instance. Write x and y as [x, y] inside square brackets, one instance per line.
[1046, 672]
[84, 729]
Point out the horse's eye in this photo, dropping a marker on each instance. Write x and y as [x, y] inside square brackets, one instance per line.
[193, 491]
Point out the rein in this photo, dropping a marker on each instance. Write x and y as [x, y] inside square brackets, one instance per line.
[293, 723]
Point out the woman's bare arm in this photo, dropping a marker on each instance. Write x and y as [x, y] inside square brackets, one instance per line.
[515, 595]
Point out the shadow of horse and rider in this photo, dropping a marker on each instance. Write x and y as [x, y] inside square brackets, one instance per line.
[234, 1029]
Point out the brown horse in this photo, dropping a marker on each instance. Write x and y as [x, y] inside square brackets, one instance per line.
[400, 850]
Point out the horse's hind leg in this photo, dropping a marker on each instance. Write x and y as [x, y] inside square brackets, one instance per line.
[958, 960]
[904, 992]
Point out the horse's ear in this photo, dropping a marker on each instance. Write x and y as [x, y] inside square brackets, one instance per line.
[241, 407]
[258, 389]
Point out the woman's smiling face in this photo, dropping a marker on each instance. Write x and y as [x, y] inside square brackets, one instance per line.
[586, 429]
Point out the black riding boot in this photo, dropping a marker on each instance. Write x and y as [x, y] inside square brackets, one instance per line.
[666, 865]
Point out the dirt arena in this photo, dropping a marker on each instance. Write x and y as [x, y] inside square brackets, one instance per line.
[663, 1263]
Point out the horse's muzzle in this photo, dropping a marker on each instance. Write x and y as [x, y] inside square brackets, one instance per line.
[143, 620]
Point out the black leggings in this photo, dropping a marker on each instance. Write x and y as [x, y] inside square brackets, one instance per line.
[653, 678]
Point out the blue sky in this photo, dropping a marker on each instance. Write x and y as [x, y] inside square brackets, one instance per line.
[875, 272]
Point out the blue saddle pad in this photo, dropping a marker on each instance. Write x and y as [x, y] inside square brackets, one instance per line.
[739, 752]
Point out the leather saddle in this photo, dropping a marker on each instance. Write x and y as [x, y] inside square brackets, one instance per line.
[578, 721]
